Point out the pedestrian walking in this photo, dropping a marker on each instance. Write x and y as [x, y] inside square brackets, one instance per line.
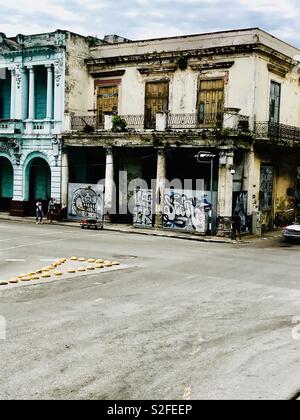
[51, 209]
[39, 212]
[236, 226]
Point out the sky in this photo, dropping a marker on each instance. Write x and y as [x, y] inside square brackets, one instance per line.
[142, 19]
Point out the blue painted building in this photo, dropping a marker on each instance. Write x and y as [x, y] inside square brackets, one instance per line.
[36, 97]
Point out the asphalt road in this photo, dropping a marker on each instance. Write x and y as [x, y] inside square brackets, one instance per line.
[185, 320]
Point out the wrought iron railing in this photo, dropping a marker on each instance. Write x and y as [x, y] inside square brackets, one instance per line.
[277, 132]
[193, 121]
[136, 122]
[85, 123]
[182, 121]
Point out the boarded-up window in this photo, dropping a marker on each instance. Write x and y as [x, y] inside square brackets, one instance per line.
[107, 102]
[156, 100]
[211, 102]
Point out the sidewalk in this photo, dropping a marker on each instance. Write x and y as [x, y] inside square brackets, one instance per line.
[130, 229]
[125, 228]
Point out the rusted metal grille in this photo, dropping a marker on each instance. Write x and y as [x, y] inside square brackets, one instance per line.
[277, 132]
[192, 121]
[182, 121]
[134, 121]
[85, 123]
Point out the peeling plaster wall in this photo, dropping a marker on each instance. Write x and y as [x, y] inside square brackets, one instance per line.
[290, 94]
[79, 84]
[285, 180]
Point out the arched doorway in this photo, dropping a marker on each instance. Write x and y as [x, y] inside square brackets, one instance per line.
[38, 175]
[6, 183]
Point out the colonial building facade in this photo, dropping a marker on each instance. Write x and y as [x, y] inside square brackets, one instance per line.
[33, 95]
[222, 107]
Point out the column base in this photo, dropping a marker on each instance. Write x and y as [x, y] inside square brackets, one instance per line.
[224, 227]
[159, 223]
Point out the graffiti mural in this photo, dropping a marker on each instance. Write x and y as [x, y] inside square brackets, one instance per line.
[187, 210]
[85, 201]
[240, 204]
[143, 210]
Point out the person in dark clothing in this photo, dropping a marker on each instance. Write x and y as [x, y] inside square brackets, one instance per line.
[39, 212]
[236, 226]
[51, 210]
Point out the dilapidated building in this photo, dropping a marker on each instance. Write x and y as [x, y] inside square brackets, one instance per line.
[221, 107]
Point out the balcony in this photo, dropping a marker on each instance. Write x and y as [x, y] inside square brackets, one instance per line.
[10, 126]
[164, 121]
[277, 133]
[39, 126]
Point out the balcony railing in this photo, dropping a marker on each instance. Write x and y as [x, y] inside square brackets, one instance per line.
[86, 123]
[194, 121]
[10, 126]
[277, 132]
[90, 123]
[135, 122]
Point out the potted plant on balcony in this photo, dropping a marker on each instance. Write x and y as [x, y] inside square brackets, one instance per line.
[118, 124]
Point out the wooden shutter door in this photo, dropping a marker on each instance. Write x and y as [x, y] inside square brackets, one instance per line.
[211, 101]
[157, 100]
[107, 102]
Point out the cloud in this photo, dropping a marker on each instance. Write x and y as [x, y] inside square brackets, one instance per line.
[138, 19]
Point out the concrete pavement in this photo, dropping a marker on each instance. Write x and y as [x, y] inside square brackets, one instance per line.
[185, 320]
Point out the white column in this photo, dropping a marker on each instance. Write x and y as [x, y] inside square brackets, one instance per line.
[160, 187]
[31, 102]
[109, 185]
[13, 95]
[49, 91]
[23, 95]
[225, 192]
[64, 180]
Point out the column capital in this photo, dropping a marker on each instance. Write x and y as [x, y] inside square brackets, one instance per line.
[30, 67]
[49, 67]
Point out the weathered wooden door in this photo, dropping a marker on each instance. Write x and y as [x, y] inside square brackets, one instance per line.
[156, 100]
[107, 102]
[211, 102]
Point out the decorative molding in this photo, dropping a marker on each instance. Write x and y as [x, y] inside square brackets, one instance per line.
[18, 75]
[212, 65]
[58, 71]
[12, 147]
[277, 69]
[153, 70]
[112, 73]
[56, 148]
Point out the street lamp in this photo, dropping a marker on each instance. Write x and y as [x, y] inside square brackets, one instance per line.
[207, 157]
